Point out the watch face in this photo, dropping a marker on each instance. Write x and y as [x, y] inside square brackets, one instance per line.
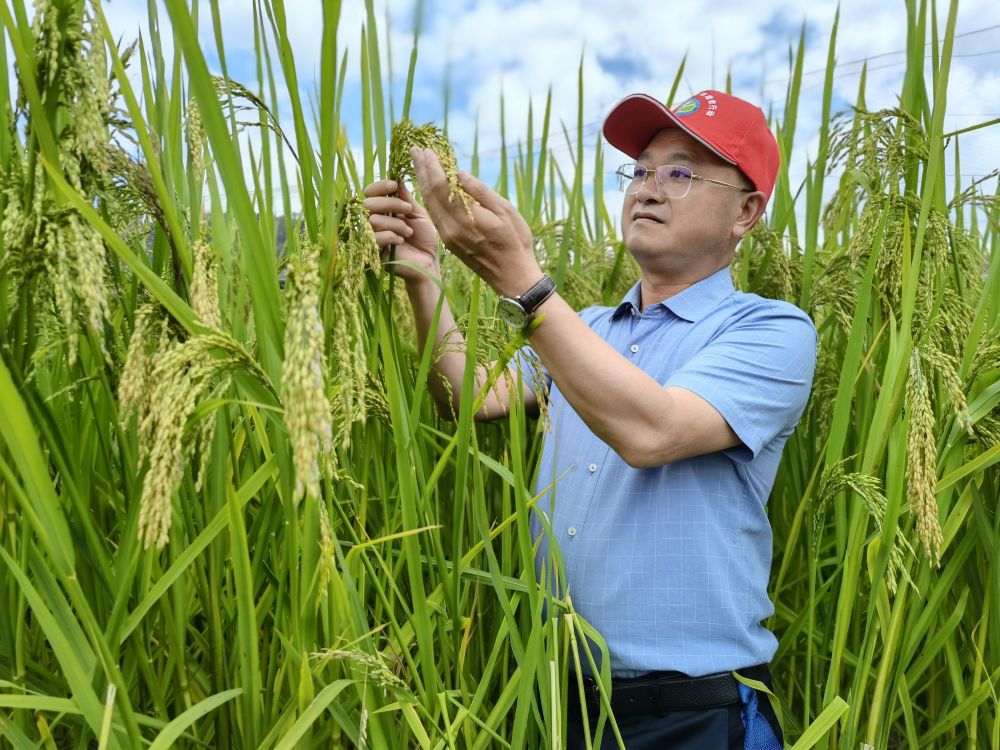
[511, 312]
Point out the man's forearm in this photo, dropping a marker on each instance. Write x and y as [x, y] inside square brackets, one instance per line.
[449, 358]
[643, 422]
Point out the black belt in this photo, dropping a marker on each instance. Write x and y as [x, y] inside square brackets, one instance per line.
[659, 692]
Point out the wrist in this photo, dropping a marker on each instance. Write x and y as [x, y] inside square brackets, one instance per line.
[519, 310]
[514, 285]
[426, 289]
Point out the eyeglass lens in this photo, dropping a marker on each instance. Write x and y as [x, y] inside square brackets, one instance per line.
[672, 181]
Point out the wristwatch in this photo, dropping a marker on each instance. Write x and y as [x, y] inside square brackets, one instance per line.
[518, 311]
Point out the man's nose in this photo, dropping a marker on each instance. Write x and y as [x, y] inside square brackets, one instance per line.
[648, 190]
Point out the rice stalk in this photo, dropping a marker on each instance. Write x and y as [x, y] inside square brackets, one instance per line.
[357, 255]
[921, 460]
[836, 480]
[205, 285]
[303, 383]
[178, 380]
[769, 259]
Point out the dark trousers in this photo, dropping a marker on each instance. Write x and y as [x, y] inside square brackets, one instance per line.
[708, 729]
[711, 729]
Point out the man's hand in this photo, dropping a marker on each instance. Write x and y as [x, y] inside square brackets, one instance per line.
[489, 236]
[400, 221]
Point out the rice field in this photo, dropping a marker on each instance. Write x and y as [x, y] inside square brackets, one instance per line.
[230, 515]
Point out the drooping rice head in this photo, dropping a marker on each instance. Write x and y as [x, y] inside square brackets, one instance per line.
[406, 135]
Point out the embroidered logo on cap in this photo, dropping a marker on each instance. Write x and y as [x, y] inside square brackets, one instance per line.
[689, 107]
[712, 103]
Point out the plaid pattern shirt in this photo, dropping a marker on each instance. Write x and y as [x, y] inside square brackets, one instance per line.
[671, 564]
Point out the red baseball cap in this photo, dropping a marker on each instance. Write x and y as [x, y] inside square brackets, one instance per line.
[733, 129]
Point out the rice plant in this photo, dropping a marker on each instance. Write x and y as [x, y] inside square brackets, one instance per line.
[230, 516]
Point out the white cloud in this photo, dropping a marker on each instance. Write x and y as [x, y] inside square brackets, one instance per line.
[637, 46]
[523, 48]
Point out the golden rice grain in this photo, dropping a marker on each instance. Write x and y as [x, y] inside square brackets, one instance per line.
[406, 135]
[303, 389]
[921, 460]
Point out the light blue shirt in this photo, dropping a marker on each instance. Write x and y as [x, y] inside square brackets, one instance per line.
[671, 564]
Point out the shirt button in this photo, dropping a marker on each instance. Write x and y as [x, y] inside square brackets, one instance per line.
[571, 531]
[634, 348]
[592, 468]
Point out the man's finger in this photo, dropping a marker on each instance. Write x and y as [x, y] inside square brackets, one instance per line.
[404, 194]
[482, 194]
[382, 223]
[432, 180]
[387, 205]
[381, 187]
[426, 163]
[384, 239]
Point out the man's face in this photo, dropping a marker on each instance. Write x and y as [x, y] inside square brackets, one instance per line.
[683, 236]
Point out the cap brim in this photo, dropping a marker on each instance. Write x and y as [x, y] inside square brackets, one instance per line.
[634, 121]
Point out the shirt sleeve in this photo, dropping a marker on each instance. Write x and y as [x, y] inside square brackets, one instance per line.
[757, 373]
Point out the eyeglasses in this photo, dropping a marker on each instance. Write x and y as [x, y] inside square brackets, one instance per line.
[672, 181]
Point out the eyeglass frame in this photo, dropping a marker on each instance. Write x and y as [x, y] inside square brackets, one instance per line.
[656, 181]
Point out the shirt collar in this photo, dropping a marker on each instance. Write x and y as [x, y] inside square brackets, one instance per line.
[692, 304]
[630, 303]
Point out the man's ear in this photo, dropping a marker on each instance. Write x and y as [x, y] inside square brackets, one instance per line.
[751, 209]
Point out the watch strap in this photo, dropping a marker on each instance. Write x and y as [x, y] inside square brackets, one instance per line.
[532, 299]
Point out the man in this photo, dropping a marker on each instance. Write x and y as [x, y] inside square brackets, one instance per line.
[670, 411]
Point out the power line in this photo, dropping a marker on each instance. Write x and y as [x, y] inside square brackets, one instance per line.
[976, 31]
[903, 62]
[978, 54]
[887, 54]
[896, 64]
[592, 127]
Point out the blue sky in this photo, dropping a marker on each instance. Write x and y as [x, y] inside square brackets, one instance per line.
[484, 47]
